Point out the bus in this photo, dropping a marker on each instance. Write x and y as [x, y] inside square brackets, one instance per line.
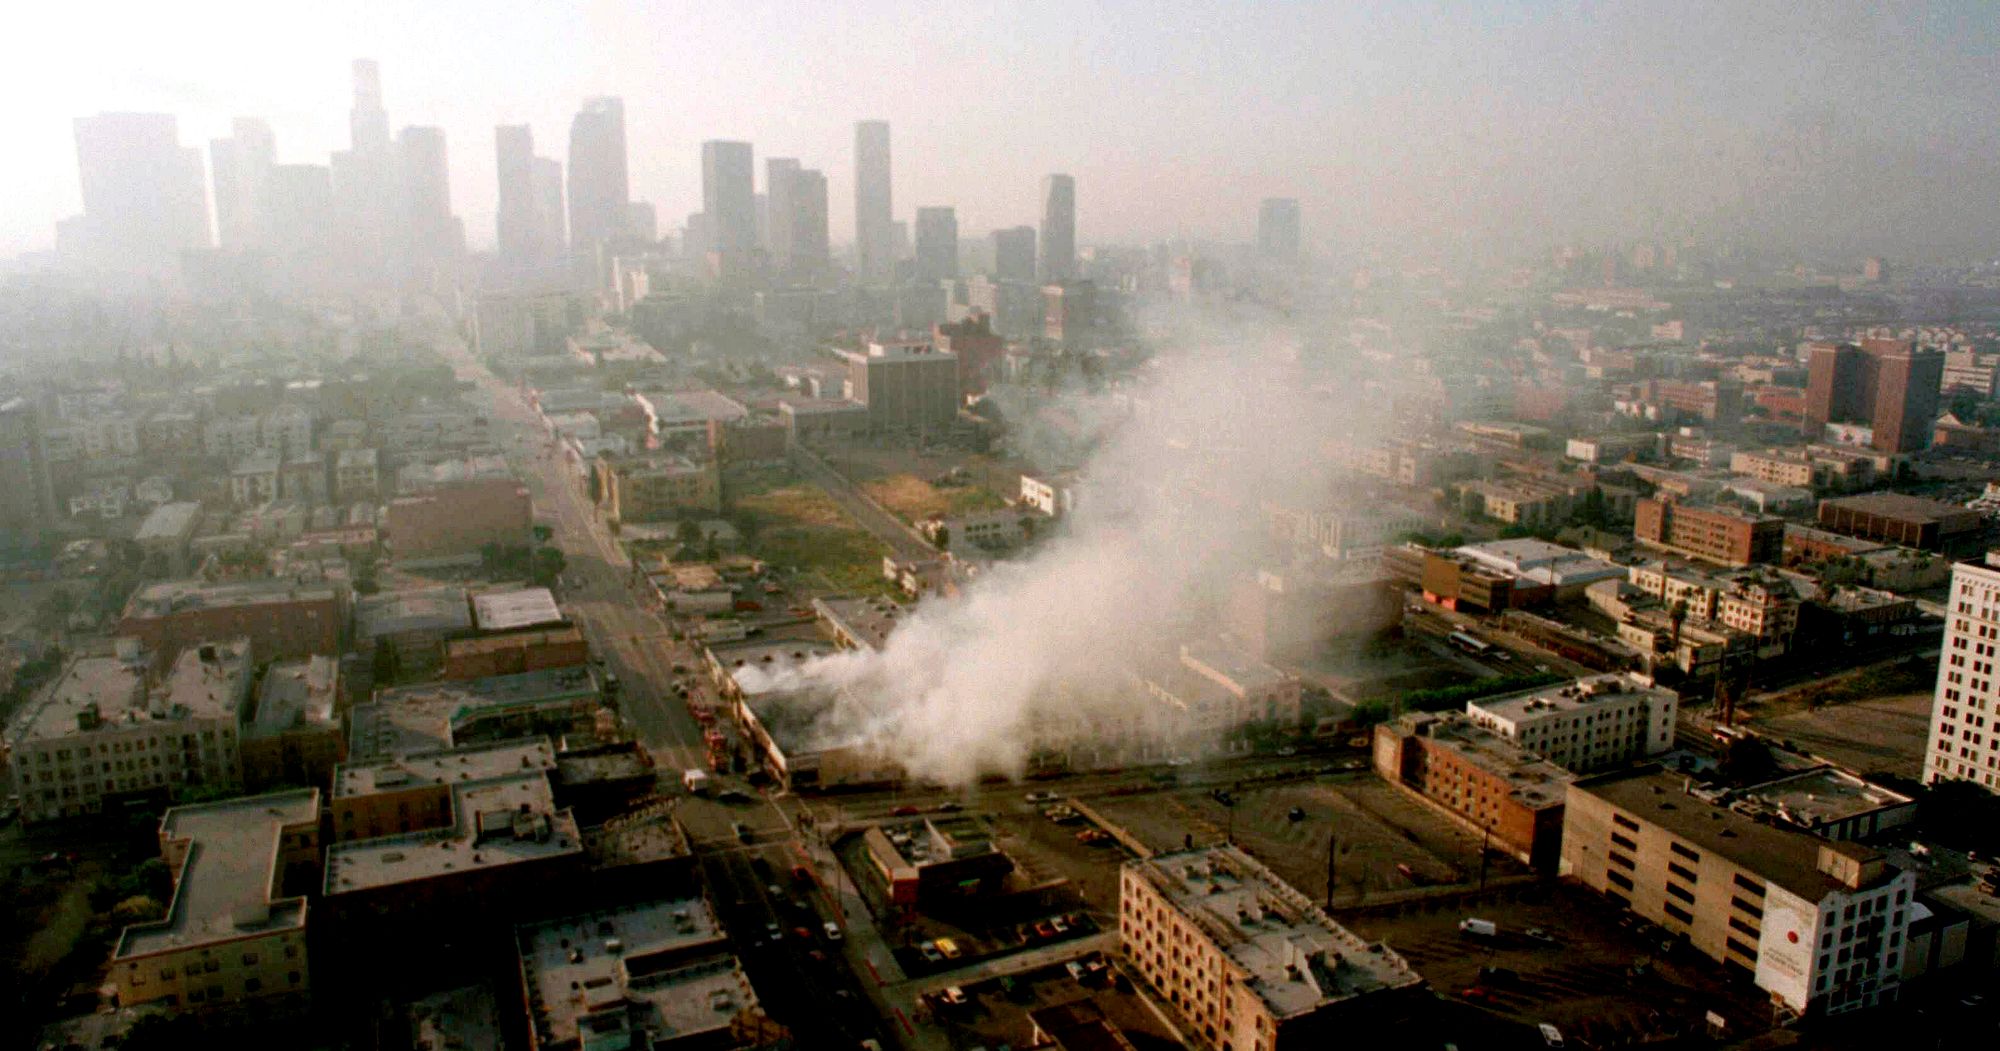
[1469, 644]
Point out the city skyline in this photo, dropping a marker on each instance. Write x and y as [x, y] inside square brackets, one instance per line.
[1365, 145]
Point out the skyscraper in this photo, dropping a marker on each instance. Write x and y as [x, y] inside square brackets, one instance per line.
[1058, 228]
[937, 244]
[518, 232]
[143, 195]
[810, 256]
[874, 219]
[242, 167]
[30, 504]
[429, 228]
[367, 121]
[728, 195]
[1961, 746]
[298, 203]
[779, 173]
[600, 192]
[1278, 229]
[1014, 254]
[548, 187]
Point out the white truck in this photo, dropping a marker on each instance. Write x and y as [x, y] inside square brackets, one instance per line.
[695, 780]
[1475, 925]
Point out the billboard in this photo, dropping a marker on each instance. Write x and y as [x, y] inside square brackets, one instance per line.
[1788, 940]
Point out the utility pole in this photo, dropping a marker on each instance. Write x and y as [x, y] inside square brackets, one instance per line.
[1332, 854]
[1485, 841]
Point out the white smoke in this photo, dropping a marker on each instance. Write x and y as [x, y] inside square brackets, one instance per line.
[1039, 652]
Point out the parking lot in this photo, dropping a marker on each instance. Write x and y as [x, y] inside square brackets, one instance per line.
[1386, 843]
[1595, 972]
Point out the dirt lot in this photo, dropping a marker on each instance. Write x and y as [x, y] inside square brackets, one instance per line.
[1374, 827]
[997, 475]
[912, 499]
[1580, 980]
[1878, 735]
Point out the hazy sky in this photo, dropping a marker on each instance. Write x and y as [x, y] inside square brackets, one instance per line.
[1837, 121]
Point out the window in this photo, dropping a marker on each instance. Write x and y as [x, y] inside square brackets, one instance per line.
[1741, 949]
[1683, 872]
[1678, 891]
[1685, 852]
[1739, 925]
[251, 985]
[1625, 822]
[1618, 879]
[1618, 859]
[1679, 913]
[1624, 841]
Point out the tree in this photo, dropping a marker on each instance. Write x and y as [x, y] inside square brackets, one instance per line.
[547, 567]
[941, 539]
[688, 533]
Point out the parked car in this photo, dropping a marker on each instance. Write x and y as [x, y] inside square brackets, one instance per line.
[832, 930]
[1551, 1036]
[1041, 797]
[954, 995]
[905, 811]
[929, 951]
[742, 831]
[949, 948]
[950, 807]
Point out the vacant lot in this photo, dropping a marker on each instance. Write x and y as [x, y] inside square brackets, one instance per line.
[1877, 735]
[794, 524]
[913, 499]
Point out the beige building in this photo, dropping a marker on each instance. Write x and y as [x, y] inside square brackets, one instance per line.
[356, 475]
[231, 934]
[97, 737]
[1585, 725]
[295, 735]
[1820, 925]
[656, 488]
[254, 479]
[905, 384]
[1248, 962]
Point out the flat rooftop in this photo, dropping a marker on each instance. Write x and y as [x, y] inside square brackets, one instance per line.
[760, 667]
[175, 521]
[110, 686]
[868, 621]
[175, 596]
[467, 1017]
[297, 695]
[432, 715]
[635, 839]
[224, 888]
[504, 821]
[665, 966]
[1787, 857]
[1818, 796]
[1904, 507]
[1570, 696]
[446, 766]
[1217, 658]
[1536, 783]
[439, 609]
[509, 610]
[1298, 958]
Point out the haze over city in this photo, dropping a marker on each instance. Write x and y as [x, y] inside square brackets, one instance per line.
[1103, 527]
[1824, 125]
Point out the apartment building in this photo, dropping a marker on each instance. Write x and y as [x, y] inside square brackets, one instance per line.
[1250, 963]
[1964, 742]
[1712, 534]
[232, 935]
[1897, 518]
[356, 475]
[97, 737]
[1482, 781]
[1585, 725]
[454, 522]
[1755, 603]
[1818, 924]
[254, 479]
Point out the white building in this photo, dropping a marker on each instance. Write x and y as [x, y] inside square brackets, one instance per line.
[1053, 495]
[1585, 725]
[1963, 746]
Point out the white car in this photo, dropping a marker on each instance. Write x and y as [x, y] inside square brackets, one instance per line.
[832, 930]
[1551, 1036]
[954, 995]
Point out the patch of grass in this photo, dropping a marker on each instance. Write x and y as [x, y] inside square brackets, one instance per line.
[913, 499]
[795, 525]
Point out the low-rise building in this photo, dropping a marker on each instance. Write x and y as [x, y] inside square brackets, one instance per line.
[1292, 613]
[483, 835]
[654, 488]
[456, 522]
[166, 533]
[235, 932]
[1585, 725]
[1895, 518]
[514, 652]
[357, 475]
[659, 975]
[295, 736]
[1479, 779]
[96, 737]
[436, 715]
[1052, 494]
[858, 623]
[1713, 534]
[1249, 962]
[283, 620]
[403, 633]
[1818, 924]
[923, 859]
[254, 479]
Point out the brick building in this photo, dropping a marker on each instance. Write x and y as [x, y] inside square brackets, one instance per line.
[1909, 521]
[454, 522]
[1481, 780]
[1713, 534]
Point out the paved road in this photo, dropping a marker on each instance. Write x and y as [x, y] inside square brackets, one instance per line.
[634, 641]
